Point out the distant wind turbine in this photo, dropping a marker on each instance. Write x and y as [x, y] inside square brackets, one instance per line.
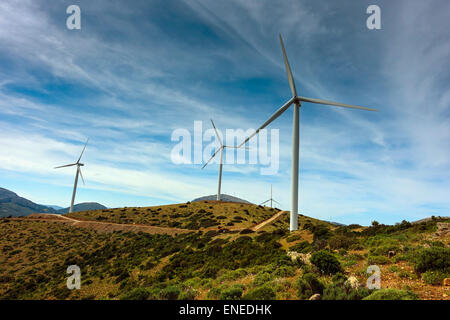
[222, 147]
[271, 199]
[297, 101]
[78, 164]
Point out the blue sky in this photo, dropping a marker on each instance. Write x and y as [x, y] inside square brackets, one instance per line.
[137, 70]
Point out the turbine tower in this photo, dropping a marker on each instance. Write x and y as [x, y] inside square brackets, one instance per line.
[297, 101]
[222, 147]
[79, 165]
[271, 199]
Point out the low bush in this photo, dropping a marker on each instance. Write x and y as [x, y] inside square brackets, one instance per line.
[188, 294]
[392, 294]
[341, 290]
[341, 242]
[293, 238]
[326, 262]
[307, 285]
[136, 294]
[434, 258]
[434, 277]
[377, 260]
[302, 247]
[232, 293]
[260, 293]
[284, 271]
[170, 293]
[261, 278]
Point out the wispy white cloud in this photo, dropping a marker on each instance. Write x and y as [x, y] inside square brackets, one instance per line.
[127, 90]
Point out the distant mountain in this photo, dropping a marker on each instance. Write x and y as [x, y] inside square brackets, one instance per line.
[84, 206]
[337, 224]
[224, 197]
[53, 206]
[13, 205]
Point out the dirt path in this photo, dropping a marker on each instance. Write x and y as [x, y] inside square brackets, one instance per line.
[271, 219]
[102, 226]
[107, 226]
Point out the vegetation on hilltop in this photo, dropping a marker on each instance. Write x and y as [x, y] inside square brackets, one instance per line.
[190, 215]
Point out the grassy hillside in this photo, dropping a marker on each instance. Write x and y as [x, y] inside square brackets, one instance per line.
[191, 215]
[270, 263]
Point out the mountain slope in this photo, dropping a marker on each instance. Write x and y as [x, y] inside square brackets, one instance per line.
[224, 197]
[84, 206]
[13, 205]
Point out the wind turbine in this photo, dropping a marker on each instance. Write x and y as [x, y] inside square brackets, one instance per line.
[271, 199]
[78, 164]
[222, 147]
[297, 101]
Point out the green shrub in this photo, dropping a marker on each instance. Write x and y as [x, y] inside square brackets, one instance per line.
[434, 277]
[188, 294]
[343, 291]
[261, 278]
[326, 262]
[392, 294]
[378, 260]
[214, 293]
[293, 238]
[383, 250]
[307, 285]
[284, 271]
[341, 242]
[320, 232]
[136, 294]
[170, 293]
[404, 274]
[260, 293]
[232, 293]
[61, 293]
[302, 247]
[339, 277]
[394, 269]
[435, 258]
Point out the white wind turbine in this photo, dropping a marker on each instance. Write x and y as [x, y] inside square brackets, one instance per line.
[297, 101]
[271, 199]
[222, 147]
[78, 164]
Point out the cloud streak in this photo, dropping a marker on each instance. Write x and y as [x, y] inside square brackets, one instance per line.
[135, 73]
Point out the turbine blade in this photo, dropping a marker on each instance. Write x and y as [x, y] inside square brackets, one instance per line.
[264, 202]
[337, 104]
[236, 147]
[276, 202]
[67, 165]
[81, 175]
[83, 150]
[217, 151]
[272, 118]
[288, 69]
[217, 134]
